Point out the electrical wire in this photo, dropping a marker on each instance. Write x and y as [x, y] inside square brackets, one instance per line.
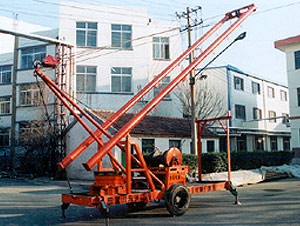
[90, 9]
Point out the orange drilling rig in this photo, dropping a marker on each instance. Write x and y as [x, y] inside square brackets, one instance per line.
[162, 177]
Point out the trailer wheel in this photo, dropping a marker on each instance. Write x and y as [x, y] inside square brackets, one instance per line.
[135, 206]
[177, 199]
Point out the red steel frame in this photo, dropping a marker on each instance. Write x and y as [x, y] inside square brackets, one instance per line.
[122, 191]
[200, 129]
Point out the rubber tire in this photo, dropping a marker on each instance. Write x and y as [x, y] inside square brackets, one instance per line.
[177, 199]
[135, 206]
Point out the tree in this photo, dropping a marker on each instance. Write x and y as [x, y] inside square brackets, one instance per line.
[37, 138]
[209, 102]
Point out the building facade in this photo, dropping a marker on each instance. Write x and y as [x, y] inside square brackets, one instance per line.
[118, 50]
[257, 107]
[22, 95]
[291, 47]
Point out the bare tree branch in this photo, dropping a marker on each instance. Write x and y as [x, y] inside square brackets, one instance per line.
[209, 102]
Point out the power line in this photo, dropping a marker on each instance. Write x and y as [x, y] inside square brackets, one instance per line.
[90, 9]
[88, 51]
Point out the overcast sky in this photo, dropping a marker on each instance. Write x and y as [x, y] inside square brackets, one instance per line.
[274, 20]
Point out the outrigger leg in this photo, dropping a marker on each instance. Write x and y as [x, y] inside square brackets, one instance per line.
[64, 206]
[234, 192]
[105, 211]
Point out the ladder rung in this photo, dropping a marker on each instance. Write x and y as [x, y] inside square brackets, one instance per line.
[138, 170]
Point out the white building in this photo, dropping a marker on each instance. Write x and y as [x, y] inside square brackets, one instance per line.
[250, 100]
[118, 51]
[291, 46]
[28, 106]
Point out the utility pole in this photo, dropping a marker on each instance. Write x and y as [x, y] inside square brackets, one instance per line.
[188, 16]
[14, 111]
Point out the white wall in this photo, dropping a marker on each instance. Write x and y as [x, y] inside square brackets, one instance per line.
[74, 138]
[261, 101]
[218, 79]
[144, 68]
[293, 83]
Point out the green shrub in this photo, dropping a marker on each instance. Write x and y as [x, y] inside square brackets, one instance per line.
[217, 162]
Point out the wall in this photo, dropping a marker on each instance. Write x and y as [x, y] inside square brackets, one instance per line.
[144, 68]
[75, 136]
[222, 81]
[294, 83]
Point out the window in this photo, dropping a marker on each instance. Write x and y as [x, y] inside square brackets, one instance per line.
[241, 143]
[161, 50]
[121, 79]
[286, 144]
[298, 95]
[29, 130]
[273, 140]
[4, 137]
[210, 145]
[271, 92]
[255, 88]
[86, 78]
[272, 114]
[164, 82]
[256, 113]
[29, 95]
[297, 59]
[175, 143]
[86, 34]
[4, 105]
[238, 83]
[283, 95]
[148, 145]
[28, 56]
[5, 74]
[121, 36]
[259, 143]
[240, 112]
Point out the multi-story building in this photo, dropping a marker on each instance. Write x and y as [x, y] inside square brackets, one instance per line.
[257, 107]
[291, 46]
[21, 101]
[118, 50]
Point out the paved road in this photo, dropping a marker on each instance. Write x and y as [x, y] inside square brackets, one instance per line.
[271, 203]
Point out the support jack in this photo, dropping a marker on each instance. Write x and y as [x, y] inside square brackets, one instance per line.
[64, 206]
[234, 192]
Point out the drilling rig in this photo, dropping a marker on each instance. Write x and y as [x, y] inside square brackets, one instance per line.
[161, 178]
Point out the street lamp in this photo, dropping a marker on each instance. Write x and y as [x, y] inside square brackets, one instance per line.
[240, 37]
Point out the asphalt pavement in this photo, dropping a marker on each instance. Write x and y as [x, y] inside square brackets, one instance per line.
[37, 202]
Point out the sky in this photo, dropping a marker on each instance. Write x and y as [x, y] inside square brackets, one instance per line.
[256, 55]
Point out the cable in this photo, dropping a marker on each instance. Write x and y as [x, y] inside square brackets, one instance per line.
[88, 51]
[71, 17]
[84, 8]
[118, 50]
[124, 8]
